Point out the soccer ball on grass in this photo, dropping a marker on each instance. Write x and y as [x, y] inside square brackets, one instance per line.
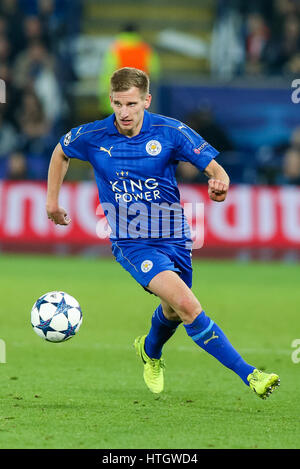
[56, 316]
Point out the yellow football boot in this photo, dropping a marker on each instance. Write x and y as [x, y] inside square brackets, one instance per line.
[263, 384]
[153, 367]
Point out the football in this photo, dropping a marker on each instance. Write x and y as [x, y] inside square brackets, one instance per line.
[56, 316]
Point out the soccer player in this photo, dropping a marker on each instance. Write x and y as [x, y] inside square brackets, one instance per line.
[134, 154]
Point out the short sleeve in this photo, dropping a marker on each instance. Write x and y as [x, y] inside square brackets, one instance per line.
[74, 145]
[191, 147]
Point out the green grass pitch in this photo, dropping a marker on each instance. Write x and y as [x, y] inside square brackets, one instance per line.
[89, 392]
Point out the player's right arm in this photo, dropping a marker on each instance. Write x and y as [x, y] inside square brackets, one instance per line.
[58, 168]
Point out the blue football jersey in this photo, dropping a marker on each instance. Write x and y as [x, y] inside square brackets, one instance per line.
[135, 176]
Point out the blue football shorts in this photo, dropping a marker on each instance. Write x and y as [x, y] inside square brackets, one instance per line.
[145, 259]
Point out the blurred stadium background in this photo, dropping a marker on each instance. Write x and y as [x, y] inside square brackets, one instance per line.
[226, 68]
[230, 69]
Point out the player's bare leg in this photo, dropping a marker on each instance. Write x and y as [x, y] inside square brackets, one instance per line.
[169, 312]
[177, 298]
[165, 321]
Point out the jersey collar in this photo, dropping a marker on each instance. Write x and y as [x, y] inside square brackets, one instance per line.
[112, 129]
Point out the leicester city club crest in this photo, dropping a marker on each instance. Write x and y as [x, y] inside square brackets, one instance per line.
[153, 147]
[146, 266]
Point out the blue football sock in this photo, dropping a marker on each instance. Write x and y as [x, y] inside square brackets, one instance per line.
[212, 339]
[161, 331]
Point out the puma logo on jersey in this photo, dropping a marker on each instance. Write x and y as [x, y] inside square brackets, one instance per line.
[214, 336]
[107, 151]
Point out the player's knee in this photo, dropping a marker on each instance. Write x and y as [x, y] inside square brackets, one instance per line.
[170, 313]
[187, 308]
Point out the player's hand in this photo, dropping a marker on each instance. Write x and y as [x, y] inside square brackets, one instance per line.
[217, 190]
[58, 215]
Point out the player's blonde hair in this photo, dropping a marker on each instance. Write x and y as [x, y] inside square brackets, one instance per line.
[127, 77]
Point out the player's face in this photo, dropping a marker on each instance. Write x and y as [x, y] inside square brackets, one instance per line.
[129, 109]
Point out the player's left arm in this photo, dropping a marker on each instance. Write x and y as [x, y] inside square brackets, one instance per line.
[218, 183]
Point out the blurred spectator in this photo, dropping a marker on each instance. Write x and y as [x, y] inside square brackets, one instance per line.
[36, 38]
[31, 118]
[284, 8]
[291, 166]
[268, 30]
[127, 50]
[203, 122]
[35, 140]
[257, 36]
[293, 65]
[5, 56]
[9, 9]
[35, 69]
[8, 136]
[52, 22]
[3, 26]
[16, 167]
[34, 31]
[188, 174]
[291, 160]
[280, 164]
[30, 62]
[281, 52]
[31, 35]
[13, 96]
[268, 162]
[227, 54]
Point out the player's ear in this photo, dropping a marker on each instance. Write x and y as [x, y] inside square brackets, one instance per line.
[148, 101]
